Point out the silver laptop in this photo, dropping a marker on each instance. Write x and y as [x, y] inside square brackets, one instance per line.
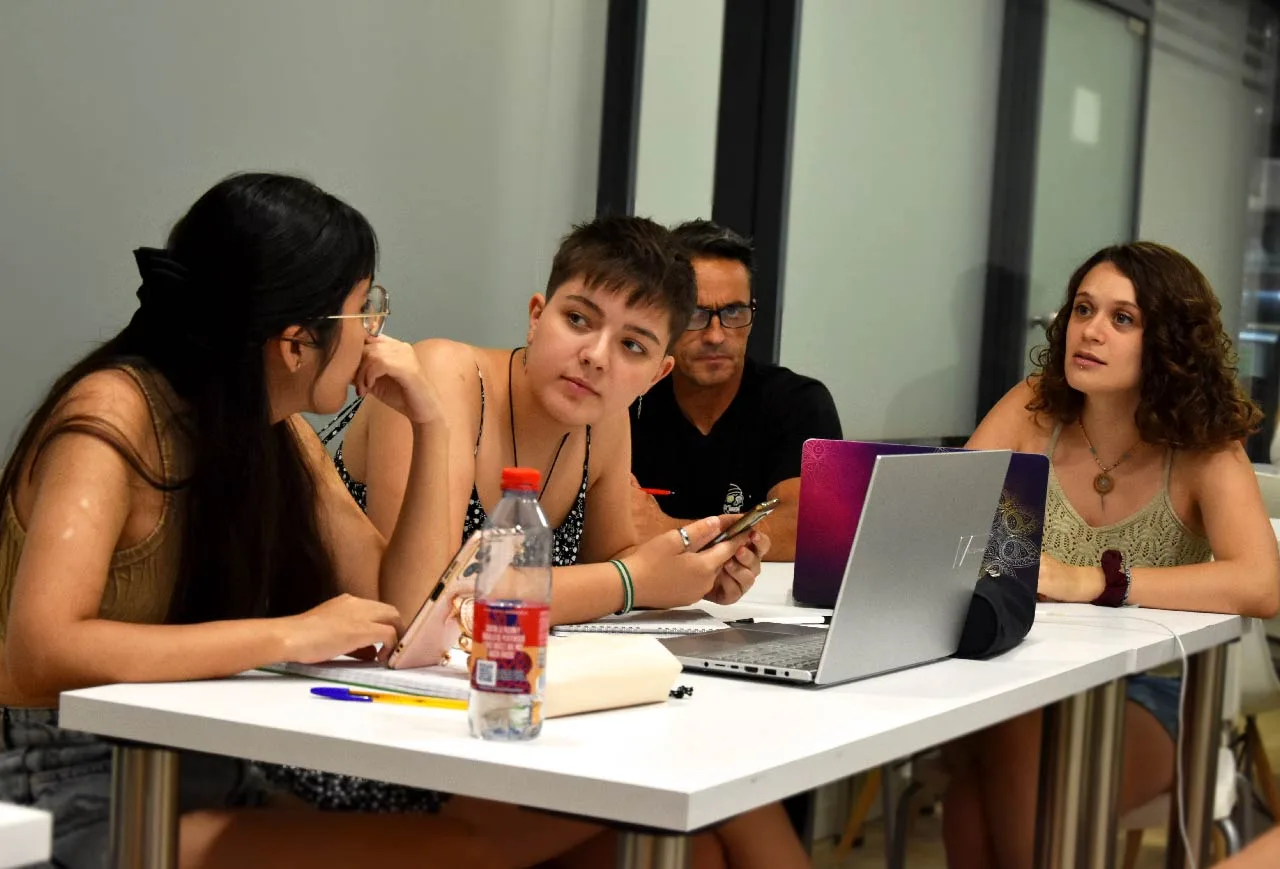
[915, 560]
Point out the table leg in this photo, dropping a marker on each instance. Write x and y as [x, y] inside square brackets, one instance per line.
[1202, 723]
[1104, 761]
[638, 850]
[144, 808]
[1058, 807]
[890, 791]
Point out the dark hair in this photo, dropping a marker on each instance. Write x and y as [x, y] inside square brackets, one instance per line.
[255, 254]
[1190, 397]
[706, 238]
[634, 255]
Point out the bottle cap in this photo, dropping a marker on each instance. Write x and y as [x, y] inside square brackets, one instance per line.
[520, 479]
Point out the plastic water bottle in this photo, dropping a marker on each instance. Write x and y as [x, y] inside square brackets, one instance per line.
[512, 614]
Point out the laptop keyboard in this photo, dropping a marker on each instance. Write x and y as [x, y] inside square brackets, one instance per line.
[799, 653]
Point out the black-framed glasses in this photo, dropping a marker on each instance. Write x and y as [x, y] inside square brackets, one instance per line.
[733, 316]
[374, 312]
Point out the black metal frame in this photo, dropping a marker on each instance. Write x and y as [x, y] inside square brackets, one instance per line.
[620, 117]
[1004, 316]
[1143, 10]
[753, 147]
[753, 136]
[1004, 313]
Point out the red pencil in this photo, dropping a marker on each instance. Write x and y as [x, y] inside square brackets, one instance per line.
[658, 491]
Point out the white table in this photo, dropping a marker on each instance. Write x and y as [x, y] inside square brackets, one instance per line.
[1084, 732]
[26, 836]
[688, 764]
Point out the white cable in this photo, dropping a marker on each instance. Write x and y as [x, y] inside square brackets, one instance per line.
[1182, 702]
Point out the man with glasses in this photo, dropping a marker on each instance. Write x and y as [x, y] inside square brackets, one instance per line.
[724, 433]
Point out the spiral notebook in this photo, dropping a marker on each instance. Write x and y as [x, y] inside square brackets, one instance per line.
[665, 622]
[442, 681]
[584, 674]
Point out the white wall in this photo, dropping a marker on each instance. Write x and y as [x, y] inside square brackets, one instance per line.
[467, 132]
[679, 101]
[1087, 147]
[890, 197]
[1206, 138]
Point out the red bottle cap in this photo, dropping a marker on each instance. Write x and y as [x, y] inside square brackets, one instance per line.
[520, 479]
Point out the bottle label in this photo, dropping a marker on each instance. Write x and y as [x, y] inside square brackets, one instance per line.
[509, 647]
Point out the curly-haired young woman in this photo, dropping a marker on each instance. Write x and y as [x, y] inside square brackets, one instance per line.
[1152, 502]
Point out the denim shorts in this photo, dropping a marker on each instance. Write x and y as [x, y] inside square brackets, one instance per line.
[1158, 695]
[68, 774]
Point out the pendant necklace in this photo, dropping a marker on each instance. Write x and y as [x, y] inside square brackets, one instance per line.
[1104, 483]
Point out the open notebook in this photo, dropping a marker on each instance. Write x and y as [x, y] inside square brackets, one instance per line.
[585, 673]
[667, 622]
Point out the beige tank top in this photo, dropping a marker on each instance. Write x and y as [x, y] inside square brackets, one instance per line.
[1154, 536]
[142, 576]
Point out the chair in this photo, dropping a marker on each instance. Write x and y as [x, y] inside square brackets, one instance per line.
[1259, 693]
[1269, 485]
[1252, 688]
[1230, 789]
[903, 785]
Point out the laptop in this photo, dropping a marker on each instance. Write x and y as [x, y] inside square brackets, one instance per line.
[914, 560]
[833, 487]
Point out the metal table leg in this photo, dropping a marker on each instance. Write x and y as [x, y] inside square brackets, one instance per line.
[1201, 722]
[144, 808]
[890, 790]
[1104, 762]
[1058, 807]
[638, 850]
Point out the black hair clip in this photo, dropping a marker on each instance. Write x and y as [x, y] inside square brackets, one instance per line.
[681, 692]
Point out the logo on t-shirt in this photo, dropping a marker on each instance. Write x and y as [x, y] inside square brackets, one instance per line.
[733, 500]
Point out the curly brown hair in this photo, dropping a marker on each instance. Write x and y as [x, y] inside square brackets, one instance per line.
[1190, 397]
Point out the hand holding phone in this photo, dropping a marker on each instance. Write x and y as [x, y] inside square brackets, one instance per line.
[438, 625]
[749, 520]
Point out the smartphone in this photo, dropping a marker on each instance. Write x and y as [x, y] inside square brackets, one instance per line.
[433, 631]
[748, 520]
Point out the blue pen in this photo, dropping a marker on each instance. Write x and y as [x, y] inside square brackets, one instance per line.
[340, 694]
[331, 693]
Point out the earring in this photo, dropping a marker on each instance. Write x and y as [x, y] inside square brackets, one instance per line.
[639, 406]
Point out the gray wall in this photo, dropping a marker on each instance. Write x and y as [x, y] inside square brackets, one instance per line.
[1207, 136]
[679, 101]
[890, 200]
[467, 132]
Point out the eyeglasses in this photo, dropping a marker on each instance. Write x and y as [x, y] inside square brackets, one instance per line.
[374, 312]
[734, 316]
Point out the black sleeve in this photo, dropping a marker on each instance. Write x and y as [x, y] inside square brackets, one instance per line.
[804, 412]
[1001, 613]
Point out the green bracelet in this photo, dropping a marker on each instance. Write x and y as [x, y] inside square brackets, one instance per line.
[628, 587]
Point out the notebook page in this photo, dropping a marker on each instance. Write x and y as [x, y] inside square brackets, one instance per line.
[666, 622]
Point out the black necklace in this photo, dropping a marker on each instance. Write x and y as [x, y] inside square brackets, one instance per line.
[511, 415]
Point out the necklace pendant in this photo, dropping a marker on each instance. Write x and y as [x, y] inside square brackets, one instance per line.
[1103, 484]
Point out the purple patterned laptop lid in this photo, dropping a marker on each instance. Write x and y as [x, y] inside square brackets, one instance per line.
[834, 476]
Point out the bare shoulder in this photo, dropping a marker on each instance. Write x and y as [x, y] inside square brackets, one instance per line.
[110, 404]
[451, 366]
[1009, 425]
[611, 447]
[104, 425]
[1215, 464]
[114, 397]
[440, 356]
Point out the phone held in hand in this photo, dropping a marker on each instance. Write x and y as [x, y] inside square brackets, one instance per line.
[748, 521]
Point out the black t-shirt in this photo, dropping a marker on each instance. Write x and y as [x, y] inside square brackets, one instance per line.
[754, 446]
